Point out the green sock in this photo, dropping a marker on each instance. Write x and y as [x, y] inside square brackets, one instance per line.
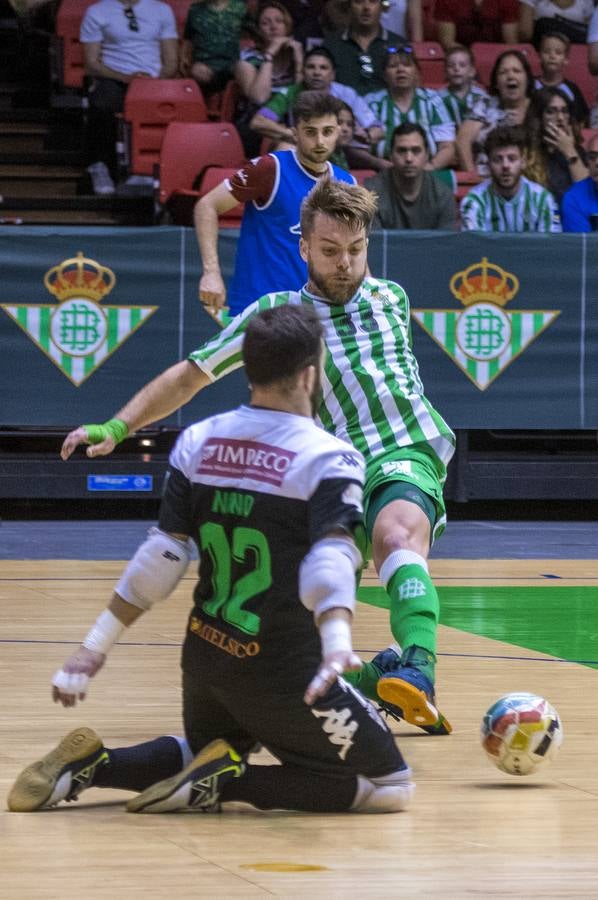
[414, 610]
[365, 680]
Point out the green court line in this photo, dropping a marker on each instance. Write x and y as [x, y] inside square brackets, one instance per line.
[558, 621]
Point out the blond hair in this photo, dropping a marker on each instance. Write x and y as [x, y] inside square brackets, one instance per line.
[350, 204]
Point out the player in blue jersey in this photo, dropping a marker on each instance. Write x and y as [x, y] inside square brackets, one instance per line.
[272, 188]
[274, 506]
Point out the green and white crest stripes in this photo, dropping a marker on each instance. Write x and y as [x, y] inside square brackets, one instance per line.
[373, 395]
[78, 334]
[483, 339]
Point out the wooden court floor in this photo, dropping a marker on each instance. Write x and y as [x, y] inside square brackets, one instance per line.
[472, 832]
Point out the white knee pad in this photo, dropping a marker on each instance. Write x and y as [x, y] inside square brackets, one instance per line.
[388, 794]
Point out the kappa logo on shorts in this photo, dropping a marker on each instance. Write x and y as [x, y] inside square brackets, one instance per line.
[484, 338]
[233, 458]
[339, 726]
[78, 335]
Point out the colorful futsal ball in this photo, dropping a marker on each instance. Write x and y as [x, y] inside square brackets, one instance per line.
[521, 733]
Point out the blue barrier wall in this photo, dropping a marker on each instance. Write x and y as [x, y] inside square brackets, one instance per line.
[505, 328]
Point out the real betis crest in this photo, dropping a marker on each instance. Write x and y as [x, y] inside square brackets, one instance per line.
[484, 338]
[78, 334]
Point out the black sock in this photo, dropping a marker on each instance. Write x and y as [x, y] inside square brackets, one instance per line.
[135, 768]
[288, 787]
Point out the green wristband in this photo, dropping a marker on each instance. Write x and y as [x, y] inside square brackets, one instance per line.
[114, 428]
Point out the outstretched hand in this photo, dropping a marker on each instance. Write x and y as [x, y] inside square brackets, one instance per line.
[329, 670]
[80, 436]
[70, 683]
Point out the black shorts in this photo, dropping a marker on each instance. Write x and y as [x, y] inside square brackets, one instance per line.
[341, 734]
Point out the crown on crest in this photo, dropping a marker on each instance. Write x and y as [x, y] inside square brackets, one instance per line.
[484, 281]
[79, 276]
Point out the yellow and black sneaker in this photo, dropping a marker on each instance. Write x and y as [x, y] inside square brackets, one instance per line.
[197, 787]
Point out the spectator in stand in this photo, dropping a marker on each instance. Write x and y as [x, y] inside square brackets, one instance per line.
[555, 156]
[403, 101]
[404, 17]
[350, 152]
[122, 40]
[359, 51]
[410, 196]
[211, 41]
[508, 201]
[511, 89]
[276, 61]
[554, 56]
[315, 18]
[275, 119]
[272, 188]
[466, 21]
[461, 91]
[579, 208]
[569, 17]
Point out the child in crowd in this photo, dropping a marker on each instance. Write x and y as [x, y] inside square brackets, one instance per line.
[211, 41]
[461, 90]
[351, 152]
[554, 55]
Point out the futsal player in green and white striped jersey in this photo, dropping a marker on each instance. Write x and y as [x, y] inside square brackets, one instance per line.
[372, 396]
[508, 201]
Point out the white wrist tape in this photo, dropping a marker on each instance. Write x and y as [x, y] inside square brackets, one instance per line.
[327, 575]
[335, 635]
[104, 632]
[74, 683]
[155, 570]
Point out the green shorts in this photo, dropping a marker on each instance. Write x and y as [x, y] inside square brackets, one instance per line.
[415, 467]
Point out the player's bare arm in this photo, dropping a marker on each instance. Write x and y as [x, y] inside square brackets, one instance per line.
[162, 396]
[212, 292]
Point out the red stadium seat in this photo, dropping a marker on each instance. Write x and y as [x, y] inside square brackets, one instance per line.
[577, 70]
[587, 134]
[188, 150]
[430, 57]
[360, 175]
[485, 55]
[429, 20]
[222, 106]
[465, 181]
[69, 69]
[151, 104]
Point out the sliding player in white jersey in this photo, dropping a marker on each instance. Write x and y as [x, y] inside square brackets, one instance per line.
[372, 397]
[274, 506]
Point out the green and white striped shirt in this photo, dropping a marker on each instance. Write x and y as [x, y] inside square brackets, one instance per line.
[427, 109]
[533, 208]
[459, 108]
[372, 393]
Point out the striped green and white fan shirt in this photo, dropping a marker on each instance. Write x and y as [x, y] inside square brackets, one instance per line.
[533, 208]
[427, 109]
[372, 392]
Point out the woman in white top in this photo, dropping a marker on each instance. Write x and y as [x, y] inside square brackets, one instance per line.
[569, 17]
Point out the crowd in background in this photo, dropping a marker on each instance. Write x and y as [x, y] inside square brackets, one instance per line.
[521, 134]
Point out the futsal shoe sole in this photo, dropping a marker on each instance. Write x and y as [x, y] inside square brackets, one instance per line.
[413, 704]
[197, 787]
[60, 775]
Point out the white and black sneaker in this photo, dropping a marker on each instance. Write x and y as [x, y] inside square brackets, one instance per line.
[60, 775]
[101, 179]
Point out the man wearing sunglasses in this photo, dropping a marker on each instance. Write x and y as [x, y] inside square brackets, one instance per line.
[122, 40]
[359, 51]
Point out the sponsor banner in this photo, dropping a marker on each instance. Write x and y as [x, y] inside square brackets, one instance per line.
[232, 458]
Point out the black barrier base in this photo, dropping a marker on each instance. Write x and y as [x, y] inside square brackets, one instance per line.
[497, 465]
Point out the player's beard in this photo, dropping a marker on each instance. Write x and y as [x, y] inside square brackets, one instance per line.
[334, 289]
